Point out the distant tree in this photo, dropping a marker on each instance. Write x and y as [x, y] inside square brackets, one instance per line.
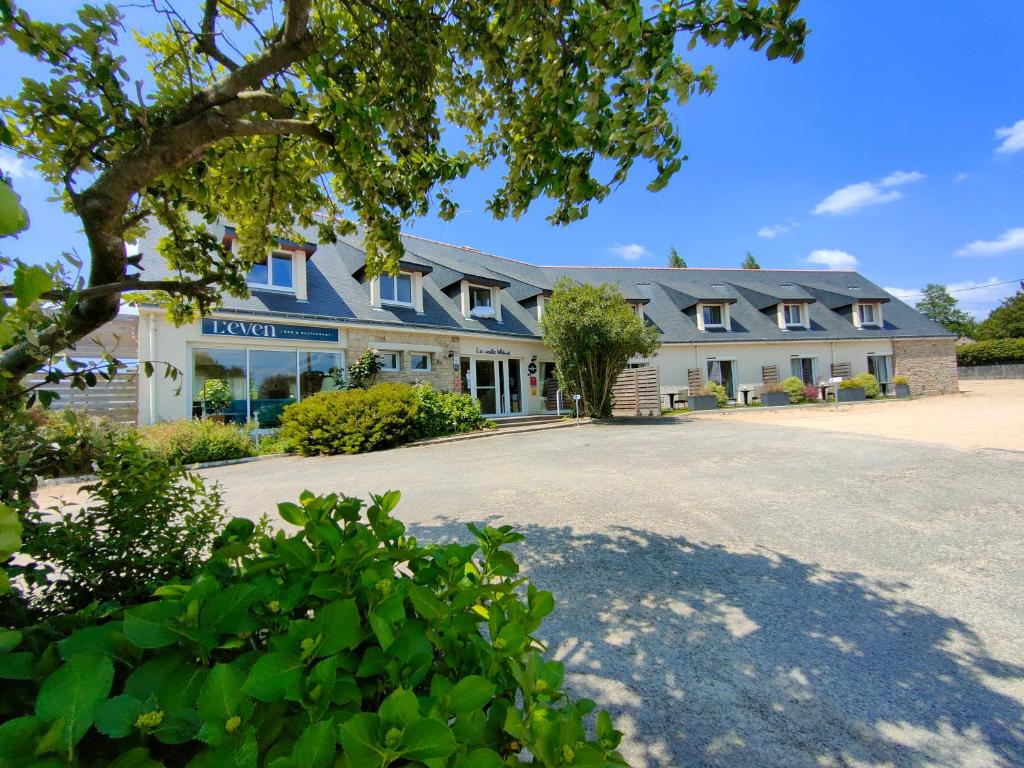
[750, 262]
[941, 306]
[1005, 321]
[675, 261]
[593, 334]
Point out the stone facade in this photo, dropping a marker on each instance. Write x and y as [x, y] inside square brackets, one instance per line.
[930, 364]
[441, 347]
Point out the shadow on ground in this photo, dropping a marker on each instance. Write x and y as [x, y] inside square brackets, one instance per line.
[709, 657]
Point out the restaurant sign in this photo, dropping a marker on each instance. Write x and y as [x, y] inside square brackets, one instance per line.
[493, 351]
[280, 331]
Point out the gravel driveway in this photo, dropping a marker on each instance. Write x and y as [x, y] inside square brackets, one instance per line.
[744, 594]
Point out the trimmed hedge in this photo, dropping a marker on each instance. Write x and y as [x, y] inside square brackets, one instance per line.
[994, 352]
[353, 421]
[195, 441]
[445, 413]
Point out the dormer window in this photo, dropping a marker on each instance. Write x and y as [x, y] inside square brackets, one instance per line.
[274, 272]
[712, 314]
[396, 289]
[867, 314]
[481, 301]
[793, 316]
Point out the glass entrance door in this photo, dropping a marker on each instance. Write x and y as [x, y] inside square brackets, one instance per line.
[485, 385]
[722, 372]
[497, 384]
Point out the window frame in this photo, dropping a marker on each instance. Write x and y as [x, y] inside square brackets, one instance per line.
[721, 315]
[426, 356]
[799, 359]
[396, 302]
[799, 314]
[397, 357]
[483, 289]
[874, 314]
[270, 285]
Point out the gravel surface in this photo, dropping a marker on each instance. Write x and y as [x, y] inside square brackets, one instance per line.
[744, 594]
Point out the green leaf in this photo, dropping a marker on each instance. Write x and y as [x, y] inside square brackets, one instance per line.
[18, 737]
[470, 693]
[339, 626]
[275, 676]
[16, 666]
[361, 738]
[399, 709]
[116, 717]
[146, 625]
[135, 758]
[221, 693]
[73, 693]
[317, 745]
[426, 739]
[9, 639]
[30, 283]
[13, 218]
[481, 758]
[228, 608]
[292, 513]
[177, 727]
[425, 602]
[106, 639]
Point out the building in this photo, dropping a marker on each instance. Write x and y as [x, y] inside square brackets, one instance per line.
[470, 321]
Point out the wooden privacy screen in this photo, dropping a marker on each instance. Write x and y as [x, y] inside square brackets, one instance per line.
[637, 392]
[842, 369]
[117, 399]
[694, 380]
[769, 374]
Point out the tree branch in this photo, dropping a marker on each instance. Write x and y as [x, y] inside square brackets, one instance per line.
[206, 40]
[131, 283]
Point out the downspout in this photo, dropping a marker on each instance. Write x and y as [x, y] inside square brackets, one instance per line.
[152, 356]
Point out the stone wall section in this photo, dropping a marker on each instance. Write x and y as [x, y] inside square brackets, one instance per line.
[441, 374]
[930, 364]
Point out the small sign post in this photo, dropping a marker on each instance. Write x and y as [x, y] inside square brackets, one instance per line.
[576, 399]
[834, 382]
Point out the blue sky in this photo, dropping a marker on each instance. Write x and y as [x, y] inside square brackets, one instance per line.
[896, 147]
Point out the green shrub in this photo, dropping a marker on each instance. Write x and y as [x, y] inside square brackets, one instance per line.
[445, 413]
[345, 644]
[274, 442]
[899, 378]
[794, 387]
[869, 382]
[354, 421]
[995, 352]
[849, 384]
[80, 439]
[195, 441]
[145, 521]
[718, 390]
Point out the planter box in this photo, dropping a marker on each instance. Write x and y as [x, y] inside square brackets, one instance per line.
[774, 398]
[703, 402]
[851, 395]
[902, 390]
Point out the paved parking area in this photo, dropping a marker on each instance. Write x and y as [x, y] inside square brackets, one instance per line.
[742, 593]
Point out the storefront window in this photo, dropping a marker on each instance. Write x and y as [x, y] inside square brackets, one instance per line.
[218, 383]
[272, 384]
[315, 372]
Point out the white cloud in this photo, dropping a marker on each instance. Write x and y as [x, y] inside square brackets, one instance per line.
[1010, 240]
[977, 297]
[961, 177]
[774, 230]
[630, 251]
[833, 259]
[855, 196]
[1012, 138]
[13, 165]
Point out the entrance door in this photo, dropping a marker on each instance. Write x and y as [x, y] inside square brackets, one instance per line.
[722, 372]
[497, 384]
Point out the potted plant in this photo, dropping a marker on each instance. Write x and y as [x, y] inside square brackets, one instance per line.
[794, 389]
[214, 398]
[709, 398]
[902, 385]
[774, 395]
[850, 391]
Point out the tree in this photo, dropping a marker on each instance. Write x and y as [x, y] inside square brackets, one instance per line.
[750, 262]
[279, 114]
[1005, 321]
[593, 333]
[940, 305]
[675, 261]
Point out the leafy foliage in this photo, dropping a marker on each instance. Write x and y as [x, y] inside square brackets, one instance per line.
[354, 421]
[900, 379]
[286, 114]
[82, 439]
[1005, 321]
[675, 261]
[363, 372]
[869, 383]
[145, 521]
[938, 304]
[345, 638]
[994, 352]
[794, 387]
[215, 396]
[811, 393]
[716, 390]
[194, 441]
[750, 262]
[441, 413]
[593, 333]
[13, 217]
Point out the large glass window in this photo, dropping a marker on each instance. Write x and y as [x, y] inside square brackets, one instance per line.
[712, 314]
[419, 361]
[273, 272]
[805, 369]
[396, 289]
[218, 383]
[317, 371]
[272, 384]
[880, 366]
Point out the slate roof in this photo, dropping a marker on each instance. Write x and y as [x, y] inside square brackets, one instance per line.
[336, 291]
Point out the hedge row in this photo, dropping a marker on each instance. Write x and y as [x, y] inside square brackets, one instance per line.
[995, 352]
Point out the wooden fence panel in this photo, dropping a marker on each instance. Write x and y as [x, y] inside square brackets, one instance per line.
[842, 369]
[117, 399]
[770, 374]
[694, 380]
[637, 392]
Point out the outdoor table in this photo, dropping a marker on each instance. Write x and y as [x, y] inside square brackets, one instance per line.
[746, 394]
[672, 398]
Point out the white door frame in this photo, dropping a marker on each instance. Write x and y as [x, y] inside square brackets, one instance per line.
[502, 390]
